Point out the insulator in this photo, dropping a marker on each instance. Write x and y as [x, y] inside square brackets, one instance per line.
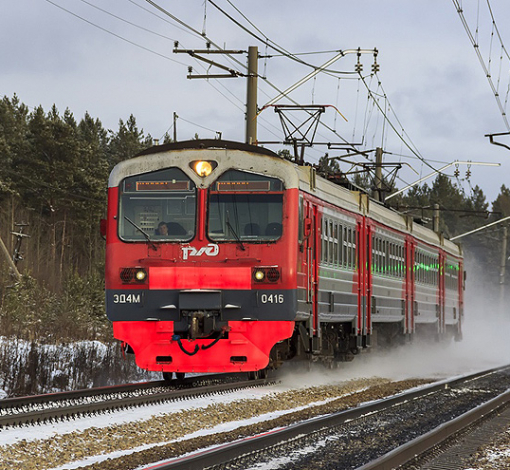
[190, 69]
[468, 173]
[375, 68]
[358, 67]
[456, 173]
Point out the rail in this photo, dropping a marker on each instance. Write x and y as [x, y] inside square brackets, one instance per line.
[63, 405]
[280, 437]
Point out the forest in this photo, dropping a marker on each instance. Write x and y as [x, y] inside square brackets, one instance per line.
[53, 182]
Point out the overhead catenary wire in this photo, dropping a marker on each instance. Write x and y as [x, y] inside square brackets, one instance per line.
[384, 112]
[115, 34]
[150, 31]
[504, 51]
[497, 30]
[198, 125]
[266, 40]
[284, 52]
[260, 39]
[474, 41]
[199, 34]
[157, 34]
[415, 152]
[176, 19]
[177, 26]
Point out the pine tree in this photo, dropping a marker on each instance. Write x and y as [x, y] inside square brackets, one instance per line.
[13, 142]
[502, 203]
[450, 198]
[127, 142]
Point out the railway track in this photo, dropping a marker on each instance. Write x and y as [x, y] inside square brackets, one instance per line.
[66, 405]
[380, 435]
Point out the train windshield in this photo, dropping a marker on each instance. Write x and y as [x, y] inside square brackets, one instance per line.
[245, 207]
[157, 206]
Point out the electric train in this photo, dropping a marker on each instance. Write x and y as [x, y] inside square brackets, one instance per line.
[262, 261]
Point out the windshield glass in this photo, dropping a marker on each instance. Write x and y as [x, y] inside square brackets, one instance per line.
[160, 205]
[245, 207]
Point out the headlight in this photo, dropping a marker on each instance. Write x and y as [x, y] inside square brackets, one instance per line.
[203, 168]
[259, 275]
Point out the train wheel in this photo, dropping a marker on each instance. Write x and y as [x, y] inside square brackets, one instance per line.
[263, 373]
[253, 375]
[180, 376]
[167, 376]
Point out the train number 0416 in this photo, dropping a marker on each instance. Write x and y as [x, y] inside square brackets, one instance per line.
[272, 298]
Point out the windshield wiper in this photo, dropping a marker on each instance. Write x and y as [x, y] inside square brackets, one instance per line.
[236, 236]
[143, 232]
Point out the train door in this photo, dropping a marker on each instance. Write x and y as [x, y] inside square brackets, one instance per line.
[364, 275]
[364, 242]
[460, 287]
[312, 246]
[411, 307]
[441, 293]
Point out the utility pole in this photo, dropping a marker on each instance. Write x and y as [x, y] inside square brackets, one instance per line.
[378, 174]
[175, 126]
[13, 267]
[251, 96]
[435, 218]
[251, 93]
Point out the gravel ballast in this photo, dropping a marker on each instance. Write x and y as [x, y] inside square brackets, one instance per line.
[164, 436]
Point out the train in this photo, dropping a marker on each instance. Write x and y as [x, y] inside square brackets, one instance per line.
[226, 257]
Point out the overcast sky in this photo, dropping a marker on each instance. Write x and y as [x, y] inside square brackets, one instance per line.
[120, 61]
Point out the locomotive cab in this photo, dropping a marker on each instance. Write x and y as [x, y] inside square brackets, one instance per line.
[199, 255]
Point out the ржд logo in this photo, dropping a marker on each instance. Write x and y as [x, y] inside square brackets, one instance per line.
[210, 250]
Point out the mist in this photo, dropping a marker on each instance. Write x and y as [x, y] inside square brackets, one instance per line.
[485, 344]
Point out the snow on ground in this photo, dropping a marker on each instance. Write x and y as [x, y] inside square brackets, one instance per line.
[46, 431]
[28, 368]
[224, 427]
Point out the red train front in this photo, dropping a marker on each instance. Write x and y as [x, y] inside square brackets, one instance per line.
[201, 256]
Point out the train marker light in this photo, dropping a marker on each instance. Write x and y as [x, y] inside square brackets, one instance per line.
[133, 275]
[266, 274]
[140, 275]
[203, 168]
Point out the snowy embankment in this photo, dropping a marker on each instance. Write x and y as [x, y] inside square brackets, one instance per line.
[29, 368]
